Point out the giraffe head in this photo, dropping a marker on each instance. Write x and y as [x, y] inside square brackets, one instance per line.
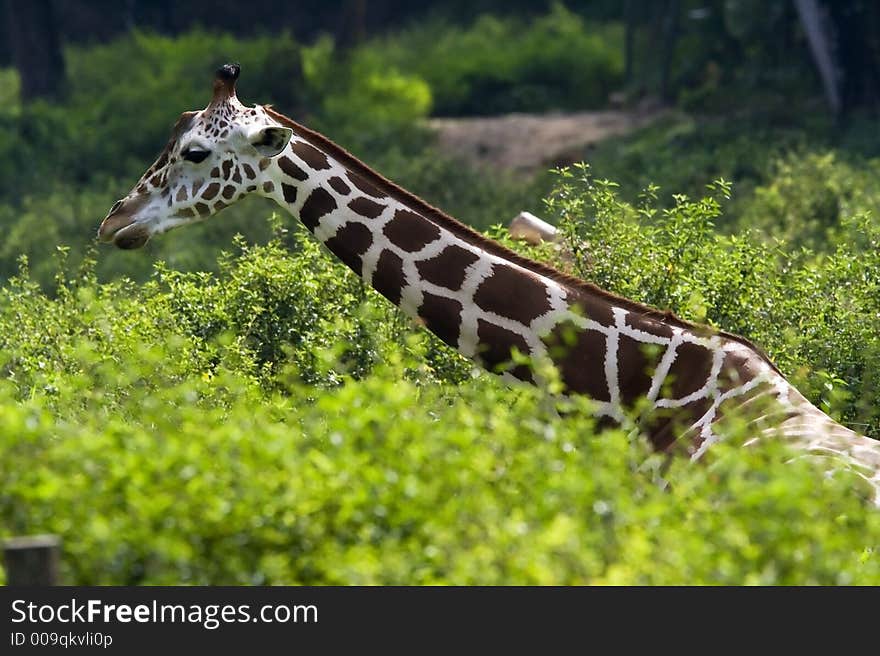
[214, 157]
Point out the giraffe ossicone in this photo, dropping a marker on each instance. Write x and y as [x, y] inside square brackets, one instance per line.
[477, 296]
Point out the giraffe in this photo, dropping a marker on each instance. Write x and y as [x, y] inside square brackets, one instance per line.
[679, 380]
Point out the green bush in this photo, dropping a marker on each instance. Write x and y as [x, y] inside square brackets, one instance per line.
[497, 65]
[795, 179]
[681, 153]
[807, 310]
[275, 423]
[808, 196]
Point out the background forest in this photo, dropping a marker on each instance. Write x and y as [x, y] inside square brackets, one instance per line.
[232, 406]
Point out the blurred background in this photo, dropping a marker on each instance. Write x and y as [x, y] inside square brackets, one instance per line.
[672, 92]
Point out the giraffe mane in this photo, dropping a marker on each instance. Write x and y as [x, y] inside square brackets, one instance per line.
[491, 246]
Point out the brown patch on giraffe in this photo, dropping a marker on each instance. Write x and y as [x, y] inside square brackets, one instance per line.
[219, 205]
[211, 190]
[251, 188]
[366, 207]
[310, 155]
[166, 192]
[162, 161]
[579, 354]
[155, 180]
[202, 209]
[289, 192]
[591, 308]
[689, 371]
[264, 163]
[694, 411]
[604, 422]
[349, 243]
[236, 176]
[388, 276]
[269, 187]
[661, 428]
[215, 172]
[448, 268]
[319, 203]
[339, 185]
[249, 171]
[442, 316]
[410, 231]
[181, 194]
[227, 168]
[737, 369]
[365, 186]
[291, 169]
[635, 367]
[513, 293]
[648, 325]
[666, 427]
[228, 192]
[495, 349]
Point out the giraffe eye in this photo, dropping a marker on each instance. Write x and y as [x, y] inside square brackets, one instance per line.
[195, 155]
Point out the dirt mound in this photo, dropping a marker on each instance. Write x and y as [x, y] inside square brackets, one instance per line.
[526, 143]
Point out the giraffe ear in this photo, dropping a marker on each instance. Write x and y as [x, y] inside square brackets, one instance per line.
[270, 141]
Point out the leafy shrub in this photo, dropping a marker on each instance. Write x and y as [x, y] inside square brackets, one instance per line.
[497, 65]
[682, 154]
[360, 93]
[277, 423]
[795, 179]
[809, 195]
[806, 310]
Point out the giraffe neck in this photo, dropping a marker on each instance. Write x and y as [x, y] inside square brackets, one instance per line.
[488, 303]
[450, 278]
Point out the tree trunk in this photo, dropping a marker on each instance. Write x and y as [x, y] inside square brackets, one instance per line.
[353, 24]
[670, 37]
[855, 25]
[629, 40]
[821, 46]
[36, 47]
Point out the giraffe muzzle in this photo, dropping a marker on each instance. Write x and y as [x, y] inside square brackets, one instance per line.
[121, 229]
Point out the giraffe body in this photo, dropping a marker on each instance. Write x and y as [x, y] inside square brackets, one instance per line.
[477, 296]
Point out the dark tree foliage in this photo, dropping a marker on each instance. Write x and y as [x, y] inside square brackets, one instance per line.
[683, 51]
[857, 38]
[352, 24]
[35, 47]
[676, 46]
